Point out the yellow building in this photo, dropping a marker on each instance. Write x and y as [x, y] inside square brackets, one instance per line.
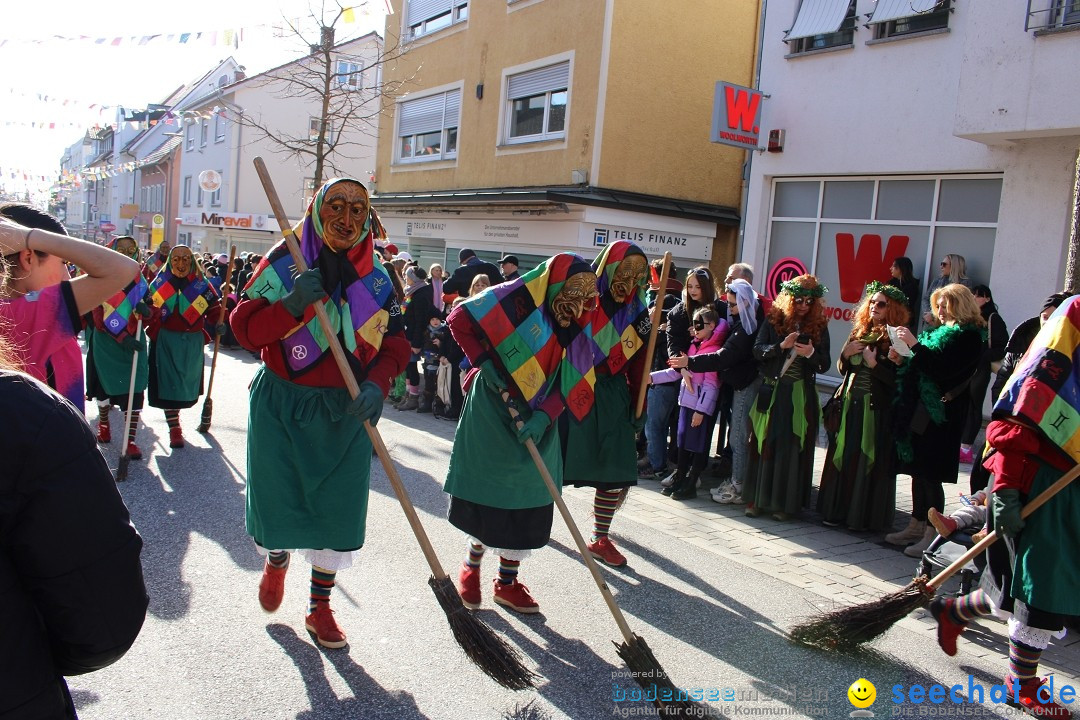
[538, 126]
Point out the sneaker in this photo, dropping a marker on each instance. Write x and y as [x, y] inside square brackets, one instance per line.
[606, 552]
[272, 586]
[670, 479]
[516, 597]
[133, 452]
[104, 434]
[1029, 700]
[324, 627]
[469, 586]
[727, 494]
[176, 437]
[947, 629]
[967, 457]
[944, 524]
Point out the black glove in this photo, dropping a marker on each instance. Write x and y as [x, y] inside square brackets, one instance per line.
[143, 309]
[307, 289]
[368, 404]
[534, 428]
[1007, 520]
[131, 344]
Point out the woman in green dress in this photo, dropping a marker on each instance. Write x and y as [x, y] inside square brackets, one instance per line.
[792, 347]
[858, 482]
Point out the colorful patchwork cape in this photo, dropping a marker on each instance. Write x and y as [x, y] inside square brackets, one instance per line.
[154, 263]
[118, 312]
[1043, 390]
[618, 329]
[360, 298]
[532, 351]
[190, 296]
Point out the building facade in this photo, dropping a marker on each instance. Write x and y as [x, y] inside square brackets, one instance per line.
[916, 128]
[538, 126]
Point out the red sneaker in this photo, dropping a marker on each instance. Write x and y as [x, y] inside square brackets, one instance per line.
[104, 435]
[605, 551]
[1029, 700]
[133, 452]
[176, 437]
[516, 597]
[324, 627]
[272, 587]
[469, 586]
[947, 629]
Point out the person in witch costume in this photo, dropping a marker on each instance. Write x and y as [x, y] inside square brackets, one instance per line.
[523, 337]
[309, 457]
[183, 300]
[156, 261]
[112, 344]
[600, 444]
[1033, 574]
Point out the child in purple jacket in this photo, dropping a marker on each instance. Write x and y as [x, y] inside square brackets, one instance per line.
[698, 396]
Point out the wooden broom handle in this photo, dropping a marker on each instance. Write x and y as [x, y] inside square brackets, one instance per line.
[225, 288]
[978, 547]
[624, 628]
[350, 380]
[657, 313]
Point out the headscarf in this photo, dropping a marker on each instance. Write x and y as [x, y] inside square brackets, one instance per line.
[189, 296]
[360, 298]
[1044, 390]
[746, 301]
[531, 350]
[618, 329]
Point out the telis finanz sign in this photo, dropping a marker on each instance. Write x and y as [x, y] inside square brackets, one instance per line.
[736, 116]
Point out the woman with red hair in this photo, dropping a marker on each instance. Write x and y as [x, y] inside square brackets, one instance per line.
[858, 482]
[791, 348]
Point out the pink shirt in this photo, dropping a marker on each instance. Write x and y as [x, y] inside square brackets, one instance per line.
[43, 325]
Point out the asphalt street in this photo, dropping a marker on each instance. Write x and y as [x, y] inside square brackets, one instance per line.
[208, 650]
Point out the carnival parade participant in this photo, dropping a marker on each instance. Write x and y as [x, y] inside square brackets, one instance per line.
[858, 482]
[792, 347]
[156, 260]
[112, 345]
[309, 457]
[41, 307]
[1033, 573]
[184, 301]
[521, 337]
[600, 445]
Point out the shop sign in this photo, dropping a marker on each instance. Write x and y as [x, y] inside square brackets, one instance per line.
[652, 242]
[243, 221]
[736, 116]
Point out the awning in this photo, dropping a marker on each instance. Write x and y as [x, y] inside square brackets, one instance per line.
[818, 17]
[887, 10]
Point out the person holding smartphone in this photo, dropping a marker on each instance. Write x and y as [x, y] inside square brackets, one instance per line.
[792, 347]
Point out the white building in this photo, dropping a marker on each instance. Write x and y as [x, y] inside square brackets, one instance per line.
[917, 128]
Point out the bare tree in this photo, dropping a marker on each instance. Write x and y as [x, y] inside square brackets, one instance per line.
[347, 109]
[1072, 271]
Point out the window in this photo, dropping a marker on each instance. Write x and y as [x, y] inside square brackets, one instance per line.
[204, 132]
[1051, 14]
[219, 127]
[315, 124]
[537, 104]
[189, 136]
[223, 81]
[428, 127]
[348, 75]
[199, 196]
[215, 197]
[187, 191]
[308, 193]
[893, 18]
[823, 24]
[427, 16]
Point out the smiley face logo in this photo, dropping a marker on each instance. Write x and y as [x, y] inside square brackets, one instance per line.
[862, 693]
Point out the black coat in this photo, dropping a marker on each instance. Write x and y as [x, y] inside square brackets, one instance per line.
[771, 356]
[735, 361]
[462, 278]
[71, 586]
[418, 312]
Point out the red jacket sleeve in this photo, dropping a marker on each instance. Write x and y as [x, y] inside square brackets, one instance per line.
[1019, 453]
[258, 323]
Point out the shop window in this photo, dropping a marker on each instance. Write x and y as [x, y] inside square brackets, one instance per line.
[537, 104]
[796, 199]
[969, 201]
[428, 127]
[822, 24]
[848, 199]
[905, 199]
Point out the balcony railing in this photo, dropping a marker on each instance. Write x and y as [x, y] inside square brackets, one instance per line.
[1057, 14]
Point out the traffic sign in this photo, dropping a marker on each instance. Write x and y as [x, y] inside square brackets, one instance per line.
[107, 227]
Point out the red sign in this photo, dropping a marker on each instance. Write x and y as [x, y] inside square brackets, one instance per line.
[107, 227]
[736, 116]
[867, 263]
[783, 270]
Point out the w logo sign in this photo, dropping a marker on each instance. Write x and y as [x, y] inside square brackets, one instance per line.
[861, 265]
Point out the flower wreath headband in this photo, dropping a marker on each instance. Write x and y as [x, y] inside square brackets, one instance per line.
[792, 287]
[891, 291]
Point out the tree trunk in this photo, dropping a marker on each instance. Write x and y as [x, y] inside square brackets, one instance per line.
[1072, 282]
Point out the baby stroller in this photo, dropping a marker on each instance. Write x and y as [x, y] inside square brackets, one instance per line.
[943, 551]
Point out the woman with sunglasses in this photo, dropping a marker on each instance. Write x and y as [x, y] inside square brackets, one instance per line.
[858, 482]
[953, 270]
[932, 404]
[792, 347]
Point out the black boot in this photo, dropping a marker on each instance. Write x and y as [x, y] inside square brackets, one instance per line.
[677, 483]
[688, 489]
[425, 403]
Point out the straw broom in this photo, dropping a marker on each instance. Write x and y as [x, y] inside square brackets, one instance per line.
[490, 652]
[122, 466]
[848, 628]
[208, 403]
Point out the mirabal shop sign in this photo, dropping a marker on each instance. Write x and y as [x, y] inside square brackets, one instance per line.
[245, 221]
[736, 116]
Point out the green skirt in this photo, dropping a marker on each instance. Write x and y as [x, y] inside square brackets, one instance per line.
[600, 450]
[309, 465]
[110, 365]
[781, 465]
[176, 369]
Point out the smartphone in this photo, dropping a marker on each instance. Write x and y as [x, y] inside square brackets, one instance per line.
[803, 339]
